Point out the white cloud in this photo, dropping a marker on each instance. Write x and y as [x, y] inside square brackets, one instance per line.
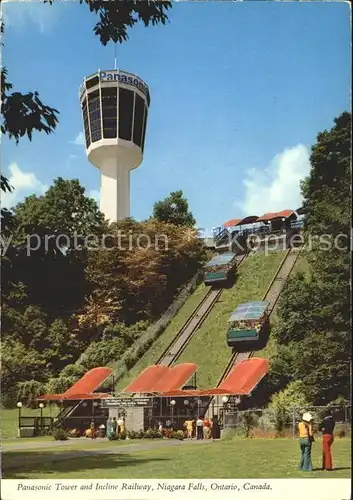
[278, 186]
[23, 183]
[94, 193]
[28, 14]
[80, 140]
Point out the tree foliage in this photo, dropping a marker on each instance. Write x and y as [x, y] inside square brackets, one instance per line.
[314, 309]
[71, 307]
[115, 16]
[175, 210]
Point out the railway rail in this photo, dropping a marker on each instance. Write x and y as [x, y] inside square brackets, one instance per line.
[271, 296]
[193, 323]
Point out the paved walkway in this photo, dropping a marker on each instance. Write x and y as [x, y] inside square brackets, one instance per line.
[125, 448]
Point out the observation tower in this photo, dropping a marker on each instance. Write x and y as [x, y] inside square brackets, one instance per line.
[114, 108]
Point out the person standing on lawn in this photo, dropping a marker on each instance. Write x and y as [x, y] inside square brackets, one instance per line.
[189, 425]
[306, 438]
[327, 427]
[199, 428]
[114, 426]
[206, 428]
[93, 429]
[109, 427]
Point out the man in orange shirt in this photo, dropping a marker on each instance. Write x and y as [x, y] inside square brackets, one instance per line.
[206, 428]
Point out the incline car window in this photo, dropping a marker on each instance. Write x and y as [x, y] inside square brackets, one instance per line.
[95, 115]
[109, 110]
[138, 120]
[126, 102]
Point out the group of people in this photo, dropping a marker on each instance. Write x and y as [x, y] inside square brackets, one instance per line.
[306, 439]
[115, 427]
[202, 428]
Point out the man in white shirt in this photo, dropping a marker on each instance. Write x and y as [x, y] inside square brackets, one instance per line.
[199, 428]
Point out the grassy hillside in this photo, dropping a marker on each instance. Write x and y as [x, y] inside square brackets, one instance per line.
[208, 348]
[158, 347]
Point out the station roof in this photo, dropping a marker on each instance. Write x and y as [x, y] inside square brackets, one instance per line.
[250, 219]
[161, 378]
[176, 378]
[83, 388]
[148, 377]
[249, 310]
[74, 397]
[221, 259]
[231, 222]
[285, 214]
[245, 376]
[242, 380]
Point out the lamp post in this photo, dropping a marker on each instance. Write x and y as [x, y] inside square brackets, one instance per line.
[41, 406]
[19, 406]
[173, 403]
[225, 400]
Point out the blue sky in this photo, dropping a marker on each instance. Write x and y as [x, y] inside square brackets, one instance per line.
[239, 92]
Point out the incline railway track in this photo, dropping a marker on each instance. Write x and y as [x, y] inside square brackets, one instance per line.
[271, 296]
[193, 323]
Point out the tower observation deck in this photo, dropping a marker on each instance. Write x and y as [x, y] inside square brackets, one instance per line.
[114, 108]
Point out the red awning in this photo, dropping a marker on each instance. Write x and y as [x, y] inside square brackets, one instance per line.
[248, 220]
[175, 378]
[59, 397]
[90, 381]
[285, 214]
[147, 378]
[161, 378]
[245, 376]
[231, 222]
[242, 380]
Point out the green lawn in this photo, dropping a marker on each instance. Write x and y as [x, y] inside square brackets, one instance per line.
[9, 420]
[208, 347]
[158, 347]
[236, 458]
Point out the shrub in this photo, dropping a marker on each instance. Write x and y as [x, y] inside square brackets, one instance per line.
[341, 433]
[134, 435]
[178, 435]
[74, 370]
[152, 434]
[228, 433]
[283, 403]
[60, 435]
[249, 420]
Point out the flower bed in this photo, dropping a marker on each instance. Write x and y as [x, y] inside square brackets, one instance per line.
[155, 434]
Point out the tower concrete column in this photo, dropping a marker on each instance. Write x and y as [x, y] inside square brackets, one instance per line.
[115, 189]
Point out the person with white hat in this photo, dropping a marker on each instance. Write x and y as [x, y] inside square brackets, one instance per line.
[306, 438]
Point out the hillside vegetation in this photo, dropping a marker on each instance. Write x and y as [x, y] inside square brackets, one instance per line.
[158, 347]
[78, 292]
